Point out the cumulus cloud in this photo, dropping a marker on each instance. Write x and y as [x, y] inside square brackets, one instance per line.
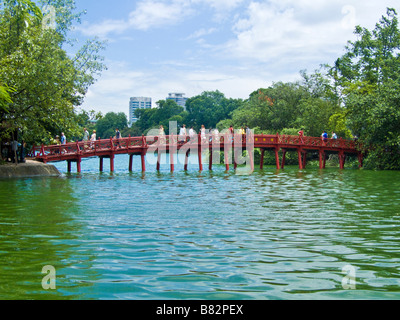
[264, 42]
[282, 28]
[148, 14]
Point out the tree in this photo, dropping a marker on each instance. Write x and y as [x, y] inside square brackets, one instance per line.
[106, 126]
[369, 74]
[209, 108]
[5, 97]
[272, 109]
[47, 82]
[168, 110]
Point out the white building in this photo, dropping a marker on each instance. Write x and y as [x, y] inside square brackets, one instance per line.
[137, 103]
[178, 98]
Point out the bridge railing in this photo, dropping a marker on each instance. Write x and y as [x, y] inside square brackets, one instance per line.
[317, 142]
[93, 148]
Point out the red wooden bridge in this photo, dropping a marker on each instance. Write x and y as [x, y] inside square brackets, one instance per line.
[109, 148]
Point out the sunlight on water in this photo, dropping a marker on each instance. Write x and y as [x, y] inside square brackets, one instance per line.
[201, 235]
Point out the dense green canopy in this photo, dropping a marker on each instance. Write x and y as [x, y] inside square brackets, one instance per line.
[40, 83]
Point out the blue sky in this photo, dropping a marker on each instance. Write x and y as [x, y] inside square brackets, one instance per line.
[156, 47]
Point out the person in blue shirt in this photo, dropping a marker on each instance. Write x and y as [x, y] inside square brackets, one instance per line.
[325, 136]
[63, 138]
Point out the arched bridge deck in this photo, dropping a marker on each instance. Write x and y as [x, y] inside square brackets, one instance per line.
[109, 148]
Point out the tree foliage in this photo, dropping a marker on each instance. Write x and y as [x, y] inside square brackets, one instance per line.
[369, 77]
[47, 83]
[209, 108]
[106, 125]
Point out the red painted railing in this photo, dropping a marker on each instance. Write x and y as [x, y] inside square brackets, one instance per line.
[137, 144]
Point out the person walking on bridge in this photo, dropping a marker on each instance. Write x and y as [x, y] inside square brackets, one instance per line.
[85, 134]
[182, 133]
[63, 138]
[117, 137]
[301, 135]
[93, 139]
[324, 137]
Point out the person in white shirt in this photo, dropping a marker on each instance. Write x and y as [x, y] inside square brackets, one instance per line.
[182, 133]
[93, 139]
[192, 134]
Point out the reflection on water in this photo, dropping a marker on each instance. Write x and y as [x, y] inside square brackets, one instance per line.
[201, 235]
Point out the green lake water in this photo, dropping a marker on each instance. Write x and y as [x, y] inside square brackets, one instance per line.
[285, 234]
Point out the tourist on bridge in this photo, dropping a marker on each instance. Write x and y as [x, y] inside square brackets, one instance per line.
[231, 132]
[301, 135]
[210, 134]
[85, 138]
[334, 135]
[85, 134]
[203, 134]
[182, 133]
[216, 135]
[192, 134]
[161, 134]
[93, 139]
[63, 138]
[117, 137]
[324, 136]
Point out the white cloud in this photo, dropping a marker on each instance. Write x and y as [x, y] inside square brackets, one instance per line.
[150, 14]
[201, 33]
[269, 41]
[286, 34]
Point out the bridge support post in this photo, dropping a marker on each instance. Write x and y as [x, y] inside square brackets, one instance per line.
[171, 160]
[262, 159]
[130, 162]
[251, 156]
[342, 159]
[199, 152]
[277, 158]
[360, 160]
[322, 159]
[101, 164]
[283, 158]
[210, 159]
[186, 160]
[235, 156]
[226, 158]
[158, 159]
[112, 162]
[69, 166]
[172, 151]
[304, 159]
[143, 160]
[200, 160]
[78, 165]
[299, 154]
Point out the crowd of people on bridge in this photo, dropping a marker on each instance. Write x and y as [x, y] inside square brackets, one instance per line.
[210, 135]
[205, 134]
[324, 136]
